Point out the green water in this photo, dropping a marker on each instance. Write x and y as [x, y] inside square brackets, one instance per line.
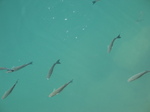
[77, 33]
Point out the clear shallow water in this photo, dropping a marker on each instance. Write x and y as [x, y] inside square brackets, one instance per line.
[77, 33]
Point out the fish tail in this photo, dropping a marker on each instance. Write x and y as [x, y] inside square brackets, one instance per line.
[57, 62]
[71, 81]
[17, 81]
[30, 62]
[119, 36]
[94, 2]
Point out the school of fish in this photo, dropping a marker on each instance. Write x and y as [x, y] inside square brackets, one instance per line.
[50, 72]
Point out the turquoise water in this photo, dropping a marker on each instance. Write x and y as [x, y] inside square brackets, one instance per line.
[77, 33]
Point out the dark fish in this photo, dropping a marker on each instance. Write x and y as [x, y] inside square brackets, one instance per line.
[55, 92]
[9, 91]
[112, 42]
[18, 68]
[52, 68]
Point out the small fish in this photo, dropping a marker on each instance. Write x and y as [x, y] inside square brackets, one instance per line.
[3, 68]
[55, 92]
[95, 1]
[18, 68]
[52, 68]
[112, 42]
[136, 76]
[9, 91]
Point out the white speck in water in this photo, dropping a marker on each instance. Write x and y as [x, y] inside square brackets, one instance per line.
[67, 31]
[83, 28]
[73, 11]
[53, 17]
[76, 37]
[49, 8]
[65, 19]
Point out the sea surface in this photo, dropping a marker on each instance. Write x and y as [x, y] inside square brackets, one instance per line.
[78, 33]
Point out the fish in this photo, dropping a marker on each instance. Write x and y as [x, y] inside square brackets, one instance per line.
[3, 68]
[138, 75]
[94, 1]
[18, 67]
[112, 42]
[52, 68]
[57, 91]
[9, 91]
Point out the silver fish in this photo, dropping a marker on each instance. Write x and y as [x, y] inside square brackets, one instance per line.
[52, 68]
[112, 42]
[3, 68]
[55, 92]
[9, 91]
[136, 76]
[95, 1]
[18, 68]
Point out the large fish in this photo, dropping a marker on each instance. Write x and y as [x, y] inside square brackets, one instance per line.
[18, 68]
[55, 92]
[112, 42]
[136, 76]
[52, 68]
[9, 91]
